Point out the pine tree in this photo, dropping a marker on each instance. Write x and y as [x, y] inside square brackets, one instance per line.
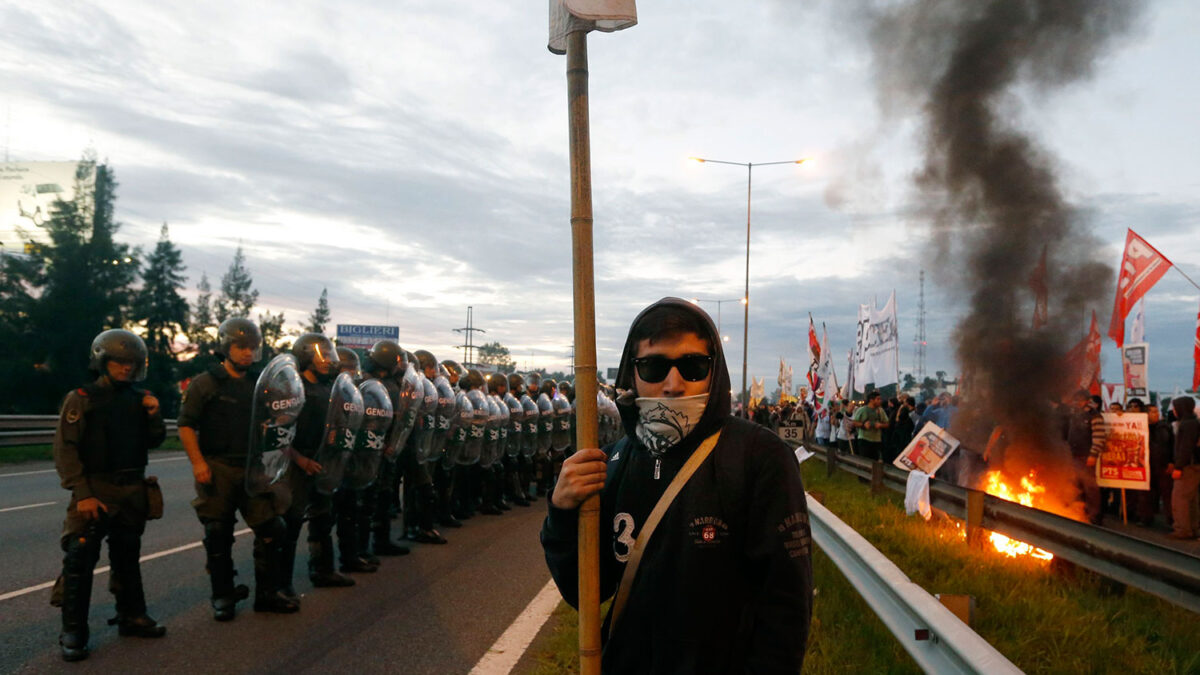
[320, 316]
[68, 289]
[202, 315]
[238, 294]
[159, 302]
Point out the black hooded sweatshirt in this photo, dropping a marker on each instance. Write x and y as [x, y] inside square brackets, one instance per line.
[725, 583]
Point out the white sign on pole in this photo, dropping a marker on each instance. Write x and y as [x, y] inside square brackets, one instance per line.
[1125, 461]
[928, 450]
[877, 345]
[1135, 359]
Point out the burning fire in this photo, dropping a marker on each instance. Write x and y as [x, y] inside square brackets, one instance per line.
[1028, 493]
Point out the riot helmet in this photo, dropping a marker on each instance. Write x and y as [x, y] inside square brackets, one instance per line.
[474, 380]
[243, 333]
[313, 350]
[427, 362]
[119, 345]
[567, 389]
[516, 384]
[384, 355]
[533, 382]
[548, 387]
[347, 361]
[498, 384]
[454, 371]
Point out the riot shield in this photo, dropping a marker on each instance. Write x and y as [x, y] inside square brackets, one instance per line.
[412, 395]
[278, 398]
[363, 465]
[502, 448]
[530, 426]
[443, 416]
[478, 428]
[426, 420]
[342, 423]
[460, 430]
[561, 434]
[516, 415]
[546, 421]
[491, 443]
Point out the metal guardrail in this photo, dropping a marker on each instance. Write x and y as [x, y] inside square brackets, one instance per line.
[1165, 572]
[936, 639]
[39, 429]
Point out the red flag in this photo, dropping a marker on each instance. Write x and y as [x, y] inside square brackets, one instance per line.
[1141, 267]
[1041, 292]
[1196, 357]
[1084, 359]
[814, 353]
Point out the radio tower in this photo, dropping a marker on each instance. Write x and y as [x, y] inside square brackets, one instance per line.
[919, 343]
[468, 345]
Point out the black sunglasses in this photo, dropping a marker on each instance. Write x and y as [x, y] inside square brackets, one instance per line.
[693, 367]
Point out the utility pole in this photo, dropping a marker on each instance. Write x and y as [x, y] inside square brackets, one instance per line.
[920, 342]
[468, 331]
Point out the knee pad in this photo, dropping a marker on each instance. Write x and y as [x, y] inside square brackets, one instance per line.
[218, 531]
[273, 529]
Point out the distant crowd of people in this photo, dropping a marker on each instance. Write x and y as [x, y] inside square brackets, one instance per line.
[881, 429]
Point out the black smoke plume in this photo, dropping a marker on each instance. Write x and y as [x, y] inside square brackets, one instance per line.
[993, 197]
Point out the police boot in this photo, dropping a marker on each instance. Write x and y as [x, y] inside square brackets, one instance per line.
[425, 502]
[383, 540]
[517, 495]
[365, 525]
[489, 508]
[287, 559]
[78, 565]
[347, 533]
[445, 499]
[124, 549]
[268, 553]
[497, 478]
[218, 548]
[320, 565]
[461, 496]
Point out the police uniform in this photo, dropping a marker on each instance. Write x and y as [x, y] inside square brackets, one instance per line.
[219, 407]
[100, 447]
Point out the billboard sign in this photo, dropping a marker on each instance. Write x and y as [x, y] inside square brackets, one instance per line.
[359, 336]
[28, 191]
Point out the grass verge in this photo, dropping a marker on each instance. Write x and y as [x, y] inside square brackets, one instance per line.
[1044, 619]
[34, 453]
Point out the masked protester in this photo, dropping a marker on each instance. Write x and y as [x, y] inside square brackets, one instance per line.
[723, 583]
[105, 430]
[214, 427]
[383, 361]
[317, 360]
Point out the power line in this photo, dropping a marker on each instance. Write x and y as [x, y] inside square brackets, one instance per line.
[468, 345]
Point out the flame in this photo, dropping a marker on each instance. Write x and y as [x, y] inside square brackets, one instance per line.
[1028, 494]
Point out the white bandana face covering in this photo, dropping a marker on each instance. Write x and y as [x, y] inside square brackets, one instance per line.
[663, 422]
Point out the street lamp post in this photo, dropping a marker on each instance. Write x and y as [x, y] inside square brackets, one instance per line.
[746, 298]
[719, 303]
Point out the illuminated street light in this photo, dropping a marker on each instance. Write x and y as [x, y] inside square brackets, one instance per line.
[746, 298]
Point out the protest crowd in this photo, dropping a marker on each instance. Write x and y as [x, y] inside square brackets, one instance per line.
[881, 429]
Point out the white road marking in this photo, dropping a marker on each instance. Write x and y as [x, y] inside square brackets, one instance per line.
[33, 473]
[106, 568]
[27, 506]
[503, 655]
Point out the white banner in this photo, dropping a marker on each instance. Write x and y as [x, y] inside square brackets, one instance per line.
[1134, 359]
[28, 191]
[877, 345]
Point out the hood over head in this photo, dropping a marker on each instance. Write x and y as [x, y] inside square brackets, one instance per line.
[719, 404]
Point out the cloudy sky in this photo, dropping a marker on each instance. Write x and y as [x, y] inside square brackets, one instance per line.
[411, 157]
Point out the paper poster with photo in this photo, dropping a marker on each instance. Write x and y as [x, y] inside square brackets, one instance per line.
[1125, 461]
[928, 450]
[1135, 361]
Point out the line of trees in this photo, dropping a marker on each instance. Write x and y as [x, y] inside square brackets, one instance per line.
[80, 281]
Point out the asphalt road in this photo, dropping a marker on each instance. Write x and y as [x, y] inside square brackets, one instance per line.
[434, 611]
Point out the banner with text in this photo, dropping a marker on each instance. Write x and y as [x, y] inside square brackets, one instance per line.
[1134, 358]
[1125, 460]
[877, 345]
[357, 336]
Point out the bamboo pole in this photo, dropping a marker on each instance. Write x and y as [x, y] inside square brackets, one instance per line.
[586, 433]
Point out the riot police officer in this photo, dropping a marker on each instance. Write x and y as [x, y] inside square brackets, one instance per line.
[348, 501]
[513, 489]
[383, 361]
[317, 359]
[104, 432]
[447, 476]
[214, 427]
[419, 494]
